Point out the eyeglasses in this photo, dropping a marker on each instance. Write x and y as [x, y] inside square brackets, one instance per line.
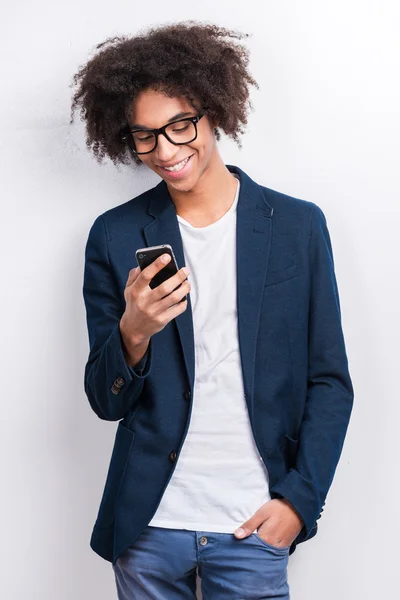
[182, 131]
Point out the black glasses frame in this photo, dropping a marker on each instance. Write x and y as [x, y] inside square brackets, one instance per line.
[162, 130]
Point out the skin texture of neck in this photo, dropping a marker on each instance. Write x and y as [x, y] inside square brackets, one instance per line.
[211, 197]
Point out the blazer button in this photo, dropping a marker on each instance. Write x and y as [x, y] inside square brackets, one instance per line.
[172, 456]
[187, 394]
[117, 385]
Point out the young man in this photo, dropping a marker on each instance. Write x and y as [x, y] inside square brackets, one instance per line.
[234, 403]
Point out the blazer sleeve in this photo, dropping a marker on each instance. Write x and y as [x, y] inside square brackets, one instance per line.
[329, 388]
[113, 388]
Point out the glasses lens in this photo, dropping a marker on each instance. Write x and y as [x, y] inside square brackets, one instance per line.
[181, 132]
[144, 141]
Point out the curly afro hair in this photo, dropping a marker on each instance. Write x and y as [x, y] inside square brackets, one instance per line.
[199, 62]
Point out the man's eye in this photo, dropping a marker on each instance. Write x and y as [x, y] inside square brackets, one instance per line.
[142, 137]
[180, 129]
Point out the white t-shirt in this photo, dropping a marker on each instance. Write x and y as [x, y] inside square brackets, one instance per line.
[220, 479]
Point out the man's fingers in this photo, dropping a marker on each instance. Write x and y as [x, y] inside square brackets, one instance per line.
[133, 275]
[242, 532]
[259, 517]
[149, 272]
[249, 527]
[246, 529]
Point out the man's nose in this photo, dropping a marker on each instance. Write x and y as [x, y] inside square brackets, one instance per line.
[165, 150]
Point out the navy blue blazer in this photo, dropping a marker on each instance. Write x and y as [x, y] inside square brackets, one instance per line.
[295, 370]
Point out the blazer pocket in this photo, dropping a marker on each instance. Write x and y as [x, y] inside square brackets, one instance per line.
[119, 459]
[282, 275]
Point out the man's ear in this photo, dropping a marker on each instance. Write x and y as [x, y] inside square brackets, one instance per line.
[214, 127]
[212, 121]
[214, 124]
[216, 131]
[217, 134]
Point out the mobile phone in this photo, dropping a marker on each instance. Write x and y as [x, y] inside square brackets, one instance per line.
[145, 256]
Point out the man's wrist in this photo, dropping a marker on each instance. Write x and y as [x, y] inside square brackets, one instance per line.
[134, 355]
[286, 501]
[134, 348]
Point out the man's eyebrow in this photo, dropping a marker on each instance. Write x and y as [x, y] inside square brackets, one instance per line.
[180, 115]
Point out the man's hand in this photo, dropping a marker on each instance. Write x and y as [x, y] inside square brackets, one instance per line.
[148, 310]
[277, 523]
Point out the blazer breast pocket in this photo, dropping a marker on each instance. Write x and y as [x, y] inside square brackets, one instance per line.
[282, 275]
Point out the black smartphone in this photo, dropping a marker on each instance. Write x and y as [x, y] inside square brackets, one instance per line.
[145, 256]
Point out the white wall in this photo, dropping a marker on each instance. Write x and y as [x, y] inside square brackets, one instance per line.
[325, 128]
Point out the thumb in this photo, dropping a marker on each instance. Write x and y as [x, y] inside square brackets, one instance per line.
[133, 275]
[247, 528]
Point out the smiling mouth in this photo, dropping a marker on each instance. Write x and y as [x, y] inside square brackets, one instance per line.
[178, 167]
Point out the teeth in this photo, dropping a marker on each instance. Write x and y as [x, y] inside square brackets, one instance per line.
[177, 167]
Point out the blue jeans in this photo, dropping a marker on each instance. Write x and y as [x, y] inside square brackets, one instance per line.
[163, 563]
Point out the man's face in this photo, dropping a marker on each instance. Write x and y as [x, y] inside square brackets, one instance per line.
[152, 110]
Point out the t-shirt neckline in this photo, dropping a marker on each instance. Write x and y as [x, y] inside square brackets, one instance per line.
[225, 216]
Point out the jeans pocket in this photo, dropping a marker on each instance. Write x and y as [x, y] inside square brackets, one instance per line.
[280, 549]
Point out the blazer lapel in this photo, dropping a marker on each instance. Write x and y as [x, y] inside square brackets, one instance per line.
[253, 242]
[165, 230]
[253, 245]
